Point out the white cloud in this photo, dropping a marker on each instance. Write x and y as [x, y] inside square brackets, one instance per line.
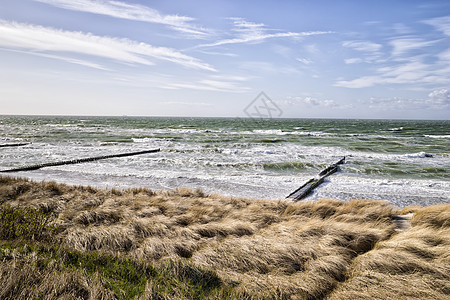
[44, 39]
[441, 24]
[440, 97]
[362, 82]
[414, 60]
[356, 60]
[310, 101]
[208, 85]
[218, 53]
[404, 45]
[128, 11]
[413, 72]
[395, 103]
[304, 61]
[65, 59]
[363, 46]
[445, 56]
[405, 73]
[370, 51]
[249, 32]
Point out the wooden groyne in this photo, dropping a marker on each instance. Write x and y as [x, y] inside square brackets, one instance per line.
[14, 145]
[311, 184]
[76, 161]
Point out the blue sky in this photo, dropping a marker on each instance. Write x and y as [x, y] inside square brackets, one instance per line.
[314, 59]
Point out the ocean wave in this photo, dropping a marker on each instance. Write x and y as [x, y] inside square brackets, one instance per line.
[255, 132]
[437, 136]
[287, 166]
[281, 132]
[419, 155]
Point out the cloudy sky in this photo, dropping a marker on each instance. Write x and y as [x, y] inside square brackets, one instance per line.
[326, 59]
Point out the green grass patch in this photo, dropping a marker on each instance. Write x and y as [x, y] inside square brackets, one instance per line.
[24, 223]
[125, 277]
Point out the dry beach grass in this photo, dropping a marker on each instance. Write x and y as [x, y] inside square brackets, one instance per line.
[179, 244]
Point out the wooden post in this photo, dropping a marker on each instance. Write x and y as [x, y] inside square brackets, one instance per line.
[311, 184]
[76, 161]
[14, 145]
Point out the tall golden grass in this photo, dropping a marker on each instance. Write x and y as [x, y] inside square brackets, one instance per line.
[414, 264]
[259, 248]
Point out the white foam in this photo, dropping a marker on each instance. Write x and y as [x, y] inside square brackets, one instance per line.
[231, 168]
[438, 136]
[302, 133]
[419, 155]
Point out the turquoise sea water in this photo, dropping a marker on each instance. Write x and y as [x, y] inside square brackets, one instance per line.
[405, 162]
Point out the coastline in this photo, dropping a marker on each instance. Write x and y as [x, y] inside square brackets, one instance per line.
[404, 162]
[246, 247]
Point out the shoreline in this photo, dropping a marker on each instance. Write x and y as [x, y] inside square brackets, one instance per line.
[339, 187]
[387, 159]
[248, 248]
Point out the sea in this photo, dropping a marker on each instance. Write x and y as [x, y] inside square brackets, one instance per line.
[406, 162]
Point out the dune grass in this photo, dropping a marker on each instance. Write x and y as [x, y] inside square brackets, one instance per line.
[414, 264]
[183, 244]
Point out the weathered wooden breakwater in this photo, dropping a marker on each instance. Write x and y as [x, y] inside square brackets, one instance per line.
[311, 184]
[14, 145]
[76, 161]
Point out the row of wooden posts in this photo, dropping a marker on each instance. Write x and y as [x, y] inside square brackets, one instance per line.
[76, 161]
[311, 184]
[300, 193]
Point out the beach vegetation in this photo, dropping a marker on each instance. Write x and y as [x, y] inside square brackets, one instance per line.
[84, 242]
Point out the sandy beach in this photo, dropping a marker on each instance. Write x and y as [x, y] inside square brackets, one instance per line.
[82, 242]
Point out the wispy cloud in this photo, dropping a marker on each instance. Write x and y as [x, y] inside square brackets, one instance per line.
[413, 72]
[437, 99]
[218, 53]
[134, 12]
[249, 32]
[309, 101]
[361, 82]
[304, 60]
[402, 46]
[34, 38]
[355, 60]
[441, 23]
[208, 85]
[405, 60]
[62, 58]
[364, 46]
[440, 97]
[216, 82]
[367, 51]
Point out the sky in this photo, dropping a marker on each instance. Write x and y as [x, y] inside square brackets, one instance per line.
[290, 59]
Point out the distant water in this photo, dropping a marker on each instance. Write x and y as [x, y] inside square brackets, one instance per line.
[405, 162]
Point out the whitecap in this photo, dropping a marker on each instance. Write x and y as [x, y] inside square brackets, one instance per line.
[419, 155]
[437, 136]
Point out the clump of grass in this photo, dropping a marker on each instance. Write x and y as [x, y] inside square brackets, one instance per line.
[24, 223]
[437, 216]
[48, 272]
[106, 216]
[412, 264]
